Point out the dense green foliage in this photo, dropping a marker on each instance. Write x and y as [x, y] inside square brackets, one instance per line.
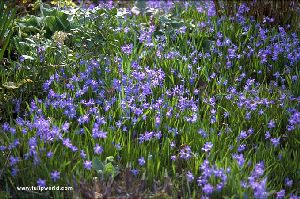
[184, 100]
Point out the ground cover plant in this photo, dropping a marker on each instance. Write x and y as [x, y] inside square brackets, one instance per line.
[163, 99]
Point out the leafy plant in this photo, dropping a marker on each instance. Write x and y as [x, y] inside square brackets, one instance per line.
[105, 169]
[50, 20]
[7, 17]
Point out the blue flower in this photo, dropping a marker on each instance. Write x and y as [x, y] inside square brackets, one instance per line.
[87, 165]
[280, 194]
[208, 189]
[275, 141]
[189, 176]
[55, 175]
[271, 124]
[98, 149]
[22, 58]
[207, 146]
[127, 49]
[41, 182]
[141, 161]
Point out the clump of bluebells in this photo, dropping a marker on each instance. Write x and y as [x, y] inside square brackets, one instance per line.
[217, 110]
[208, 173]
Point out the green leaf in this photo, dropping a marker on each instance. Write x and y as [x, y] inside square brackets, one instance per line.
[97, 164]
[109, 169]
[11, 85]
[46, 9]
[151, 11]
[50, 22]
[7, 17]
[141, 5]
[62, 19]
[56, 20]
[5, 44]
[30, 21]
[27, 57]
[110, 159]
[176, 24]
